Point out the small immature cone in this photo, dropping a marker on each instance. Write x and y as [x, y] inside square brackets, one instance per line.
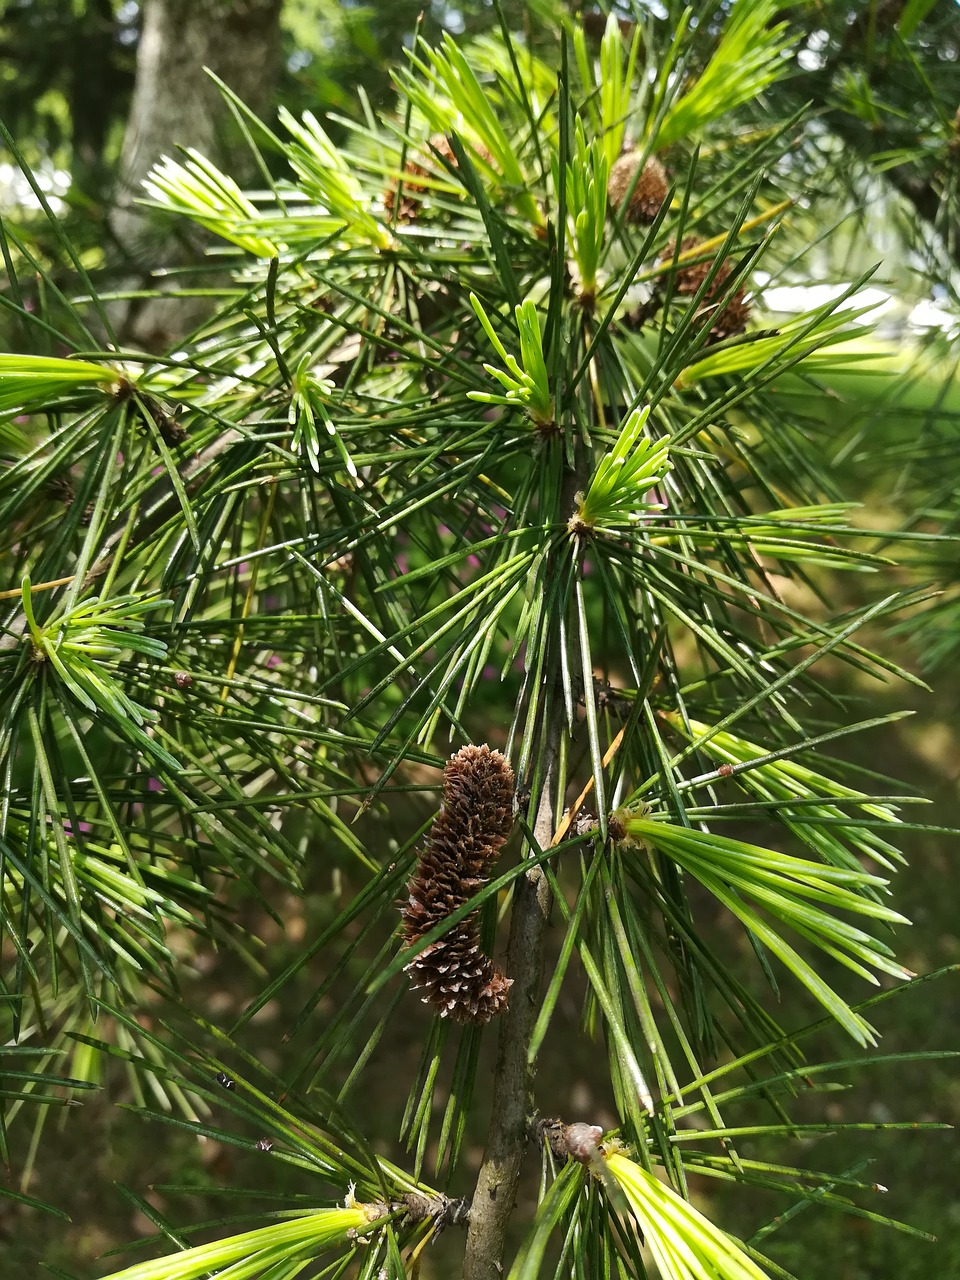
[466, 837]
[649, 192]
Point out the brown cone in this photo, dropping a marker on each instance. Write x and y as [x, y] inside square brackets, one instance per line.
[649, 192]
[424, 165]
[732, 318]
[474, 821]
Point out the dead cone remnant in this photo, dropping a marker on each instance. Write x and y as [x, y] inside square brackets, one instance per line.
[59, 488]
[151, 410]
[473, 823]
[732, 316]
[443, 1211]
[649, 191]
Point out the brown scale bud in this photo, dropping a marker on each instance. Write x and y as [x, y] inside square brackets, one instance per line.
[649, 191]
[615, 828]
[474, 821]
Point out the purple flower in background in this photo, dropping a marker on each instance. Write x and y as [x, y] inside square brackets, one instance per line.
[154, 784]
[83, 828]
[274, 661]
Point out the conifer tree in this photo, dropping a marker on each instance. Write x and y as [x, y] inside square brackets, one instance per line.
[488, 480]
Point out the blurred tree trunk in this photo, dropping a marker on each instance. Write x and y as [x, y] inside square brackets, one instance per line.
[176, 104]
